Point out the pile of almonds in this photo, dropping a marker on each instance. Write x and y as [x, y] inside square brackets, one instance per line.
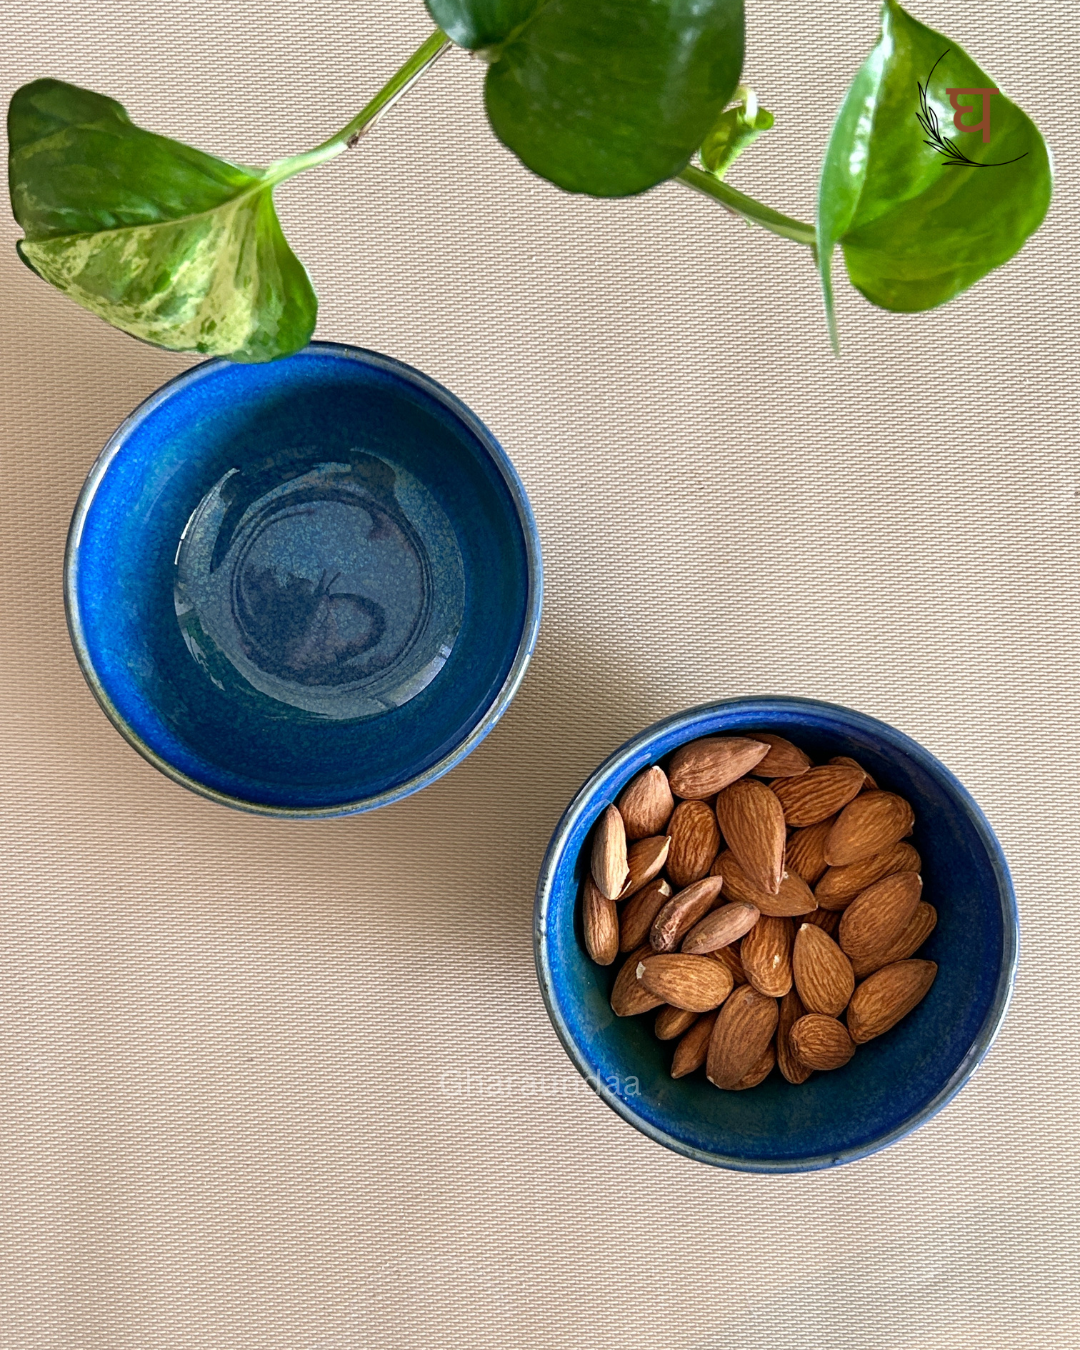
[699, 874]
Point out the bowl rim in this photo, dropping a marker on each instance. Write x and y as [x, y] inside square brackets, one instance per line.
[533, 598]
[753, 707]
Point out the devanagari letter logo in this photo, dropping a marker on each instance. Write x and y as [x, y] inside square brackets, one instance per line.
[983, 124]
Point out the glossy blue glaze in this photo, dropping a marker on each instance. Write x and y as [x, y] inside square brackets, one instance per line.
[894, 1083]
[304, 588]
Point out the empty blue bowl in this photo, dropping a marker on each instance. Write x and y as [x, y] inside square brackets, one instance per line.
[894, 1083]
[306, 588]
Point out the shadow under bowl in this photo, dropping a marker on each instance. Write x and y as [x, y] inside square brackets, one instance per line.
[894, 1083]
[306, 588]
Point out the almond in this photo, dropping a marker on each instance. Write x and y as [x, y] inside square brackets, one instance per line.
[817, 793]
[638, 913]
[791, 1009]
[828, 920]
[600, 921]
[823, 973]
[628, 995]
[701, 768]
[645, 858]
[868, 783]
[922, 924]
[691, 982]
[759, 1072]
[609, 866]
[784, 760]
[869, 825]
[752, 821]
[682, 912]
[695, 842]
[766, 955]
[671, 1022]
[729, 956]
[646, 803]
[821, 1042]
[806, 850]
[888, 995]
[877, 916]
[793, 898]
[691, 1051]
[720, 928]
[840, 885]
[742, 1032]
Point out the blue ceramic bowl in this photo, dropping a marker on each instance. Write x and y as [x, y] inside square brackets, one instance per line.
[306, 588]
[894, 1083]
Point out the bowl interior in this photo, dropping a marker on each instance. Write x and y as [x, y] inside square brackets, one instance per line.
[892, 1083]
[302, 585]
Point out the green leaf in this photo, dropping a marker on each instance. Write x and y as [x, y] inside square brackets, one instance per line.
[173, 246]
[916, 228]
[608, 97]
[736, 130]
[480, 23]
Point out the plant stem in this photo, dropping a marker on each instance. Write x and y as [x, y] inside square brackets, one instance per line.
[398, 84]
[755, 212]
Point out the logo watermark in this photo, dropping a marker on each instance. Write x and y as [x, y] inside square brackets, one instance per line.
[946, 146]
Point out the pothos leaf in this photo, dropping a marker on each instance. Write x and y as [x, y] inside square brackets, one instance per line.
[609, 97]
[173, 246]
[736, 130]
[921, 208]
[480, 23]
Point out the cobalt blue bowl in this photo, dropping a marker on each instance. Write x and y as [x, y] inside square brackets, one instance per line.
[894, 1083]
[306, 588]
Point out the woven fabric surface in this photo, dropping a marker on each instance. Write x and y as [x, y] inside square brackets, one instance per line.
[224, 1040]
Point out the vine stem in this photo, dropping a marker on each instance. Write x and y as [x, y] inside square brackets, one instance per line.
[398, 84]
[754, 211]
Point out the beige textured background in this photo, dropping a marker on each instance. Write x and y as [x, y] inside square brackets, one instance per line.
[223, 1039]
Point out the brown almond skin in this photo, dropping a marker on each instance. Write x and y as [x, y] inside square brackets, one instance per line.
[600, 922]
[743, 1030]
[791, 1009]
[922, 924]
[682, 912]
[701, 768]
[645, 857]
[784, 760]
[821, 1042]
[766, 955]
[877, 916]
[646, 804]
[691, 1051]
[888, 995]
[759, 1072]
[823, 974]
[609, 866]
[693, 983]
[805, 855]
[720, 928]
[869, 825]
[752, 821]
[695, 842]
[639, 912]
[671, 1022]
[793, 898]
[729, 956]
[840, 885]
[628, 995]
[818, 793]
[828, 920]
[868, 783]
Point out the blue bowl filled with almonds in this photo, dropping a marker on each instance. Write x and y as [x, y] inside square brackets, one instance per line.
[775, 934]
